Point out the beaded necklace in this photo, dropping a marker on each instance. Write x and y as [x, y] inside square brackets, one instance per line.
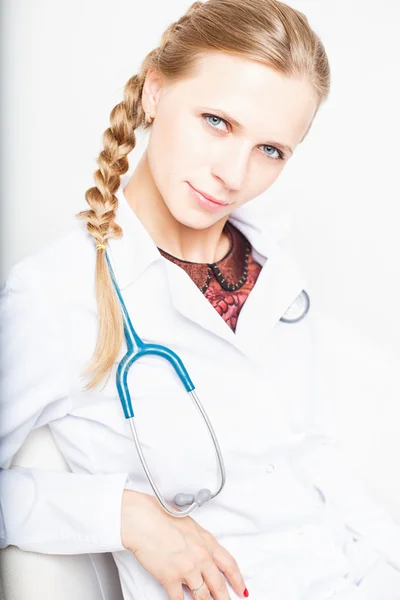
[224, 269]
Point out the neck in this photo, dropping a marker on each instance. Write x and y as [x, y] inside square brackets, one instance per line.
[194, 245]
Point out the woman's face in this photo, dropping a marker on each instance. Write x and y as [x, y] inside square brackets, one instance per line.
[228, 131]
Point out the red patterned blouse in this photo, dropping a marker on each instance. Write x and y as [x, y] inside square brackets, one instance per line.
[228, 282]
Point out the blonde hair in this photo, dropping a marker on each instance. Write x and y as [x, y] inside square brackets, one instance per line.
[267, 31]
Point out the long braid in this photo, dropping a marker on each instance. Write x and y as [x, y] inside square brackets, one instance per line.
[118, 141]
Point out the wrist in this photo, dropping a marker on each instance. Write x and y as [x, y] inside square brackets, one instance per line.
[129, 513]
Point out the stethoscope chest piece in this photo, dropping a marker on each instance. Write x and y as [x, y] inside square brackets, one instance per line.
[298, 309]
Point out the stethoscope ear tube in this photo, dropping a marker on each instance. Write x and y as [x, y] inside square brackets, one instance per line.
[171, 511]
[183, 499]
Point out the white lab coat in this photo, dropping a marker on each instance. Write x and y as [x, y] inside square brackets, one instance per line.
[290, 513]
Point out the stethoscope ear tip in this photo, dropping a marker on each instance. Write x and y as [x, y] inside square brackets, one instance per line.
[201, 498]
[182, 499]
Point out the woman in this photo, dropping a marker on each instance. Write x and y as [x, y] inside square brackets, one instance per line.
[229, 94]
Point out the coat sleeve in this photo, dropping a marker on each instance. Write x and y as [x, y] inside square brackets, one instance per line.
[44, 511]
[326, 461]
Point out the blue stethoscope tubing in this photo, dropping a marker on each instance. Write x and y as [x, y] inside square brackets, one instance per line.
[136, 349]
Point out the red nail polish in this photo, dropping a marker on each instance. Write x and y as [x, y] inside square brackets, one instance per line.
[246, 593]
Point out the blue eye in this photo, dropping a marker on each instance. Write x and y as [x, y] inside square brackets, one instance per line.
[280, 155]
[215, 119]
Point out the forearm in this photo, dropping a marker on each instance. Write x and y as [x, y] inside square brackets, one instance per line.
[61, 513]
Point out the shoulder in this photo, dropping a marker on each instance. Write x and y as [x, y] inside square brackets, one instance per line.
[59, 269]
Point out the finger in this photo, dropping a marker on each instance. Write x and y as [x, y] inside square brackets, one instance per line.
[229, 567]
[174, 591]
[216, 582]
[197, 582]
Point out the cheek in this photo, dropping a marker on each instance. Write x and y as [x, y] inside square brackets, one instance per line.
[260, 178]
[176, 151]
[268, 176]
[189, 146]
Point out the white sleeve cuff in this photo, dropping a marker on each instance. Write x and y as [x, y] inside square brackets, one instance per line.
[56, 512]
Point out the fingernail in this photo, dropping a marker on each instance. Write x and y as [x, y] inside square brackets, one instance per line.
[246, 593]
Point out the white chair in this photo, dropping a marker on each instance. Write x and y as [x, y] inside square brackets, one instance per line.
[33, 576]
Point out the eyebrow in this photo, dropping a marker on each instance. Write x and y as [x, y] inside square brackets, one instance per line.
[241, 127]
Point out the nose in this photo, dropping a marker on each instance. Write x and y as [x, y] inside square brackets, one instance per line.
[231, 165]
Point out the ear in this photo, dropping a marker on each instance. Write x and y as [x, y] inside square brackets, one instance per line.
[152, 88]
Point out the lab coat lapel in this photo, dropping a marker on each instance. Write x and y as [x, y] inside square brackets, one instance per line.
[193, 305]
[277, 287]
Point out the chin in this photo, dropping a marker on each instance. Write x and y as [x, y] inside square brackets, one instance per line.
[194, 219]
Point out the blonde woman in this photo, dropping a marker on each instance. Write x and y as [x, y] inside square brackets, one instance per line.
[227, 96]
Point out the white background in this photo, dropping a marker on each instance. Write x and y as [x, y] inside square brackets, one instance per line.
[64, 65]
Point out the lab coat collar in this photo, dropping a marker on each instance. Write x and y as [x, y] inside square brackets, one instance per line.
[277, 287]
[135, 251]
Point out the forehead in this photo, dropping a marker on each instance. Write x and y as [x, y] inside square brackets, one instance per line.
[267, 103]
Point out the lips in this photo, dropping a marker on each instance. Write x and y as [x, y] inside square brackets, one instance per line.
[210, 198]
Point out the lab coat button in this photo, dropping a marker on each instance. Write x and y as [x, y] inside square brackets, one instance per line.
[270, 468]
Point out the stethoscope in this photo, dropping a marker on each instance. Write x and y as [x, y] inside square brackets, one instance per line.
[137, 348]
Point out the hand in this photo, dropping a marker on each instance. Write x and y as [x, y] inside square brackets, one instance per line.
[177, 550]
